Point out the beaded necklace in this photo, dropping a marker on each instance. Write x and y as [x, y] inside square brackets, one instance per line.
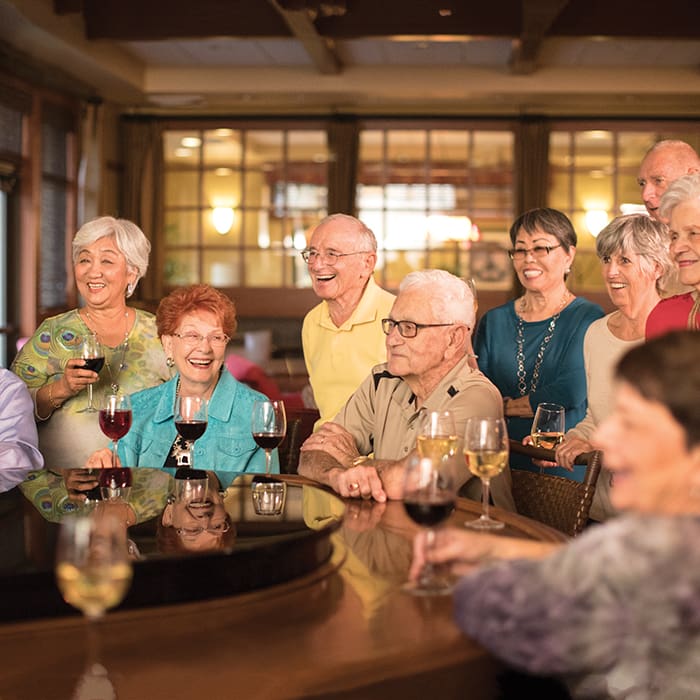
[113, 378]
[520, 354]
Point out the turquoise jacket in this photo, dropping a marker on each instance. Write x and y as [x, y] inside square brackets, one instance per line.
[227, 444]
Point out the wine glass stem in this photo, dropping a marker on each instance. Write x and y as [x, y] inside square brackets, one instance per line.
[426, 573]
[485, 498]
[268, 460]
[190, 446]
[114, 454]
[89, 397]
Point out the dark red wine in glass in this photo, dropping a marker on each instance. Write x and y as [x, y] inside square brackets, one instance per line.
[268, 426]
[268, 441]
[94, 363]
[115, 483]
[191, 416]
[429, 512]
[115, 419]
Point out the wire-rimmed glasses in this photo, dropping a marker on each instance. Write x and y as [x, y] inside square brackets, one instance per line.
[328, 257]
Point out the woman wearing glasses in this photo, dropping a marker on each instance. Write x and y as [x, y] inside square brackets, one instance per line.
[194, 324]
[531, 348]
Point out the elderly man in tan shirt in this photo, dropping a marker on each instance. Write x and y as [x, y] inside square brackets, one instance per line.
[428, 341]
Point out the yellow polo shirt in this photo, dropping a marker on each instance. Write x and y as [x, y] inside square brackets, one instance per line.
[339, 358]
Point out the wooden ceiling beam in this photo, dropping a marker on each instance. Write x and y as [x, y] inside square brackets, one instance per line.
[300, 22]
[537, 18]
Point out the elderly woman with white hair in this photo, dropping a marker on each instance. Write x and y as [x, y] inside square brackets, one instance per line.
[428, 341]
[680, 207]
[109, 258]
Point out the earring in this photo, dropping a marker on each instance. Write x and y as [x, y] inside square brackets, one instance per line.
[567, 271]
[129, 289]
[169, 361]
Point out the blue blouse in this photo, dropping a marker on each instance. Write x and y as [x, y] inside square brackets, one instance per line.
[562, 377]
[227, 444]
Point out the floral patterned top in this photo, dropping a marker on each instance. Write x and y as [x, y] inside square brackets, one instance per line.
[70, 435]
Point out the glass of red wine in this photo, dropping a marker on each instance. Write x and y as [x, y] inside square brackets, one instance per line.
[91, 351]
[269, 426]
[115, 419]
[191, 418]
[429, 498]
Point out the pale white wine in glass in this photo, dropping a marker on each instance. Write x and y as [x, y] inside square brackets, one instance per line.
[93, 569]
[486, 454]
[437, 438]
[548, 426]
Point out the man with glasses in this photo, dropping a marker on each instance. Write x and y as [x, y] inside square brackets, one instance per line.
[342, 336]
[428, 341]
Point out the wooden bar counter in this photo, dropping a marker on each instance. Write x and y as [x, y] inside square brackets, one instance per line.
[343, 629]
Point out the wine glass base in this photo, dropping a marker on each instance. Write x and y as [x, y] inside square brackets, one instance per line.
[439, 586]
[484, 523]
[87, 409]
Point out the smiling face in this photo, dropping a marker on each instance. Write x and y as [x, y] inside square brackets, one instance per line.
[199, 363]
[430, 354]
[645, 448]
[345, 280]
[630, 280]
[546, 273]
[685, 241]
[659, 169]
[102, 275]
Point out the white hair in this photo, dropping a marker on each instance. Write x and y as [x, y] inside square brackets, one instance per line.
[450, 298]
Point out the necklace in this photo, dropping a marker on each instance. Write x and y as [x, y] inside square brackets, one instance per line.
[124, 345]
[520, 354]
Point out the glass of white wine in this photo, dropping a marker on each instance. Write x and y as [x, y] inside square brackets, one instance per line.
[437, 438]
[93, 569]
[486, 453]
[548, 426]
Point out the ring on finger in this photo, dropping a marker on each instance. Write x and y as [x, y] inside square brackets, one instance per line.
[353, 486]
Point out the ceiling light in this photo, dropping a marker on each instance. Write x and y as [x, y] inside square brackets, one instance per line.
[222, 218]
[191, 142]
[596, 220]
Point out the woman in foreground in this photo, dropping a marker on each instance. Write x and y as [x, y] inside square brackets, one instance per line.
[616, 612]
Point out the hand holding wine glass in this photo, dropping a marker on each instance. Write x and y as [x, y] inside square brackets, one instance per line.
[91, 351]
[486, 453]
[429, 497]
[115, 419]
[548, 426]
[191, 418]
[269, 426]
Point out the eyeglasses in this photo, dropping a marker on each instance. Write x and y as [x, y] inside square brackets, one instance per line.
[216, 340]
[330, 257]
[213, 530]
[408, 329]
[539, 251]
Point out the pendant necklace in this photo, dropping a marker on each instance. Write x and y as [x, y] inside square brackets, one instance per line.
[113, 378]
[520, 354]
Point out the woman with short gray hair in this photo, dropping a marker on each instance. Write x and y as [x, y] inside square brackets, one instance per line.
[109, 257]
[680, 207]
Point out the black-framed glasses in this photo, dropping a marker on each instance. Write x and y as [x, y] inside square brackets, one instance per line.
[216, 340]
[408, 329]
[330, 257]
[539, 251]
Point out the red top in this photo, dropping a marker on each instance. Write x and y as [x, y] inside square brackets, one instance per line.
[670, 315]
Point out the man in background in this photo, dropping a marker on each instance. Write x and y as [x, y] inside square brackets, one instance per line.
[342, 337]
[663, 163]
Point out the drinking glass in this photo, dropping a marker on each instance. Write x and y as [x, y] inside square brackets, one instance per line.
[437, 437]
[548, 426]
[115, 483]
[115, 419]
[429, 497]
[93, 569]
[191, 416]
[486, 453]
[269, 426]
[91, 351]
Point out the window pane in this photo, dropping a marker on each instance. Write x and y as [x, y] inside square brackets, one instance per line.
[181, 147]
[181, 268]
[181, 188]
[221, 269]
[181, 227]
[264, 268]
[52, 280]
[222, 147]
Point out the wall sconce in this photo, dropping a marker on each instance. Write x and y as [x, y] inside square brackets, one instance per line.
[596, 220]
[222, 218]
